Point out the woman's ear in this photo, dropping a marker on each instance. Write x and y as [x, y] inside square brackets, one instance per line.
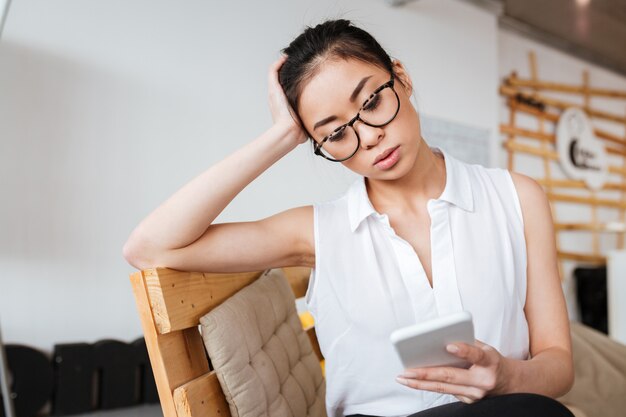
[401, 73]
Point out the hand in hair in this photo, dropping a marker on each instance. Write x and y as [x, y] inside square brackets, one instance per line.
[281, 111]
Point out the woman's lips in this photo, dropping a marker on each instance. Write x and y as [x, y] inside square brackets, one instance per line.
[390, 160]
[383, 155]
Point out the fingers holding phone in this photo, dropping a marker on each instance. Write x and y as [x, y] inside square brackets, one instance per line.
[487, 375]
[424, 344]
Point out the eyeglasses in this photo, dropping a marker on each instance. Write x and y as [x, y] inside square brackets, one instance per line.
[380, 108]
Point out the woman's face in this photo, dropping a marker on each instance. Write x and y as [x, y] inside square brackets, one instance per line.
[328, 94]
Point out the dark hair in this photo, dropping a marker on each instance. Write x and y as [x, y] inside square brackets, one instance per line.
[329, 39]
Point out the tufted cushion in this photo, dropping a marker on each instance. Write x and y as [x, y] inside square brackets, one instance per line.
[263, 359]
[600, 370]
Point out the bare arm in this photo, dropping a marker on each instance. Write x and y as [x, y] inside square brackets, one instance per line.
[551, 370]
[179, 233]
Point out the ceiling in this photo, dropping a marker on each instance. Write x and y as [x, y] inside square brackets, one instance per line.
[595, 32]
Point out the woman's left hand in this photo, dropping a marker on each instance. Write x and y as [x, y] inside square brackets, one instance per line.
[486, 376]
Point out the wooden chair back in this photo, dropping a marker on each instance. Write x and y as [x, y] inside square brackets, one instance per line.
[170, 305]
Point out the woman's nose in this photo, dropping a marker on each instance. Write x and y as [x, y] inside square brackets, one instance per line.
[369, 135]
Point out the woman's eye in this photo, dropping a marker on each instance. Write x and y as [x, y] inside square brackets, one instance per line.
[373, 103]
[336, 136]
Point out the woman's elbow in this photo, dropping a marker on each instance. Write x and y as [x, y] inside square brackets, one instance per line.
[569, 375]
[571, 379]
[135, 254]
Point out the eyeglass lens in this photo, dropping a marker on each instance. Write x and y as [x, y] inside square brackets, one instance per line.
[378, 110]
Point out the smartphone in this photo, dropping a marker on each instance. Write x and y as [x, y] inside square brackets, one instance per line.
[424, 344]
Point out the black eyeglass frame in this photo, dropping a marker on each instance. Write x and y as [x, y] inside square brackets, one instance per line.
[350, 124]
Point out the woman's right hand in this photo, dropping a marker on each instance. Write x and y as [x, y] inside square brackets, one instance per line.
[282, 112]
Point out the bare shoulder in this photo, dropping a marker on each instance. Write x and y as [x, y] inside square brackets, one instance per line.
[531, 194]
[527, 188]
[535, 204]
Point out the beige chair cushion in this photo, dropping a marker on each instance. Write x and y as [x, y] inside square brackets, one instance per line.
[262, 357]
[600, 367]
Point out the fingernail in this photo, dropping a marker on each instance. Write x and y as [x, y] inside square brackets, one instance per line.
[402, 380]
[408, 375]
[452, 348]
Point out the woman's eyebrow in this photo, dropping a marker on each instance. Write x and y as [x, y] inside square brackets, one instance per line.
[358, 88]
[353, 97]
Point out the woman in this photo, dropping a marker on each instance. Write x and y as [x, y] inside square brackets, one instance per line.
[451, 236]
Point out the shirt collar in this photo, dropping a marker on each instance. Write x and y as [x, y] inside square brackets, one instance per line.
[457, 191]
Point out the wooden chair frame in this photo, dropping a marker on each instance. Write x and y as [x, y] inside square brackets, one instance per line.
[170, 304]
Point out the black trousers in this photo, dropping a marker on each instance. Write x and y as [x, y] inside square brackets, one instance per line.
[509, 405]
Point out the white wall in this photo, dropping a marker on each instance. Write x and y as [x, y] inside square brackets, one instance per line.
[553, 65]
[106, 108]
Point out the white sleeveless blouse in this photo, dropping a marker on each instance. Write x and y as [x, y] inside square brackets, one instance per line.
[368, 281]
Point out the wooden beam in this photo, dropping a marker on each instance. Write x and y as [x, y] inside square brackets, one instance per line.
[152, 344]
[178, 299]
[298, 277]
[548, 153]
[601, 134]
[545, 137]
[560, 104]
[611, 227]
[580, 184]
[515, 81]
[201, 397]
[582, 257]
[310, 331]
[587, 200]
[527, 133]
